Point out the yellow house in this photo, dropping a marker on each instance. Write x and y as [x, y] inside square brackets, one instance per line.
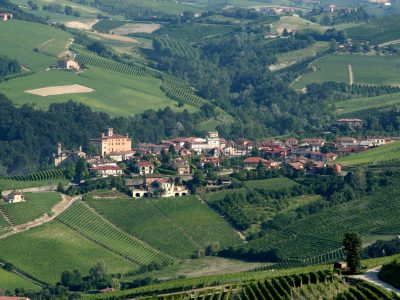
[15, 197]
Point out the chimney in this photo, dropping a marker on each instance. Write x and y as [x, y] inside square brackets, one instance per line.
[59, 149]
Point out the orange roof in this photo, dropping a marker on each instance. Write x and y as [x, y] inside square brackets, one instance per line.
[254, 160]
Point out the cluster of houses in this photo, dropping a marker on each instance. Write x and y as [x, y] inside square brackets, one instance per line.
[209, 152]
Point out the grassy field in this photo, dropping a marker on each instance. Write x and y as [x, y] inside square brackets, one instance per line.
[6, 184]
[374, 70]
[384, 154]
[323, 232]
[10, 281]
[50, 249]
[35, 206]
[366, 107]
[23, 36]
[274, 184]
[178, 226]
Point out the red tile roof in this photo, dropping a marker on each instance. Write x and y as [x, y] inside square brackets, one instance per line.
[254, 160]
[145, 164]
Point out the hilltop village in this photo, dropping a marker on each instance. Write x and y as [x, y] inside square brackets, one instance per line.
[161, 169]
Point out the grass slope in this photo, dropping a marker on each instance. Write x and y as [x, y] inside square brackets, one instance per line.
[19, 38]
[35, 206]
[295, 23]
[50, 249]
[10, 281]
[365, 107]
[178, 226]
[384, 154]
[322, 232]
[374, 70]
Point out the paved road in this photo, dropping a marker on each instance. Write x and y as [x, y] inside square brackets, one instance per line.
[372, 277]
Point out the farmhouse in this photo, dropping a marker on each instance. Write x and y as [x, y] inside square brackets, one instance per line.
[5, 17]
[145, 167]
[109, 142]
[105, 171]
[351, 123]
[69, 64]
[15, 197]
[157, 186]
[253, 162]
[182, 166]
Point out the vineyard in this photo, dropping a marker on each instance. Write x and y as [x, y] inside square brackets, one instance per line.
[193, 33]
[37, 176]
[35, 206]
[178, 226]
[274, 184]
[177, 47]
[93, 227]
[323, 232]
[389, 153]
[313, 285]
[366, 107]
[48, 250]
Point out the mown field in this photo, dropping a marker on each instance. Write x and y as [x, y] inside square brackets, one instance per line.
[295, 23]
[35, 206]
[297, 55]
[10, 281]
[50, 249]
[178, 226]
[389, 153]
[374, 70]
[22, 37]
[366, 107]
[323, 232]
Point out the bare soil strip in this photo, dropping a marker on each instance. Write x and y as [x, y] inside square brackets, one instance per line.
[60, 90]
[351, 74]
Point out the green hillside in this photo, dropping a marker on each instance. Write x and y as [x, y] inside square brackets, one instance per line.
[90, 225]
[35, 206]
[389, 153]
[23, 37]
[50, 249]
[10, 281]
[178, 226]
[323, 232]
[373, 70]
[274, 184]
[365, 107]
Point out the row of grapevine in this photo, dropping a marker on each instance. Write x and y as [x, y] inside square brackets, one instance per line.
[177, 93]
[89, 224]
[43, 175]
[16, 75]
[303, 66]
[90, 58]
[177, 47]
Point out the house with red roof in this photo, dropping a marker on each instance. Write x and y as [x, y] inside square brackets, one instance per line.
[145, 167]
[105, 171]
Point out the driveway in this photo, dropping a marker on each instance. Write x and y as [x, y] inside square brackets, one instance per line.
[371, 276]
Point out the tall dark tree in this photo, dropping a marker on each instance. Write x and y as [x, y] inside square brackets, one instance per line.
[352, 246]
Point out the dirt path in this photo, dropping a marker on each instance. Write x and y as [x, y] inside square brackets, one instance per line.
[60, 207]
[351, 74]
[372, 277]
[394, 42]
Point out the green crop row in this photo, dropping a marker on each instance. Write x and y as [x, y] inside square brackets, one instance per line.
[37, 176]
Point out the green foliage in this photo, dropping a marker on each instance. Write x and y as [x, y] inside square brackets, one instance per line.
[81, 219]
[35, 206]
[352, 246]
[178, 226]
[46, 251]
[11, 281]
[390, 273]
[107, 25]
[274, 184]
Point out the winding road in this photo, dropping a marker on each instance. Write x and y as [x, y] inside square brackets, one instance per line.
[371, 276]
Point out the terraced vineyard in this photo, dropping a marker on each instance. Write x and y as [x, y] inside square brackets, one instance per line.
[323, 232]
[366, 107]
[35, 206]
[389, 153]
[90, 225]
[177, 47]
